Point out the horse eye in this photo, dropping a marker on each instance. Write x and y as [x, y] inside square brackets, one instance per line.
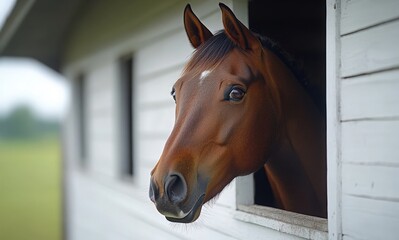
[236, 94]
[173, 93]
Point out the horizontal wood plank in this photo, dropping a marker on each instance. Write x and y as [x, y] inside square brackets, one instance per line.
[101, 129]
[112, 214]
[149, 150]
[374, 49]
[172, 51]
[157, 121]
[360, 14]
[364, 218]
[102, 158]
[117, 208]
[282, 226]
[158, 88]
[374, 182]
[370, 96]
[371, 143]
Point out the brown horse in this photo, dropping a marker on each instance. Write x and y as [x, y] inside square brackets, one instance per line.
[238, 107]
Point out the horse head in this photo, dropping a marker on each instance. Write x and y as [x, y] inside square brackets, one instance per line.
[226, 120]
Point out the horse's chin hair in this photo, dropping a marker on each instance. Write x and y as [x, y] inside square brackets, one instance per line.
[206, 213]
[211, 202]
[188, 228]
[201, 220]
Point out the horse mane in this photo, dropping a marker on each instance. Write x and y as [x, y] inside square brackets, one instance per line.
[209, 54]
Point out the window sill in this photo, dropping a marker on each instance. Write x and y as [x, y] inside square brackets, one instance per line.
[300, 225]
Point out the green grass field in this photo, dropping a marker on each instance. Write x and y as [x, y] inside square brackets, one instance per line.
[30, 189]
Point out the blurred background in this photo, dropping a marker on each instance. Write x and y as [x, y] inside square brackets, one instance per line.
[33, 100]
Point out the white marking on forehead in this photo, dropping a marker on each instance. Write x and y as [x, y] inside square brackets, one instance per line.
[204, 74]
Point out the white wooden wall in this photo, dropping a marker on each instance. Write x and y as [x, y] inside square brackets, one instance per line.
[99, 203]
[363, 142]
[369, 116]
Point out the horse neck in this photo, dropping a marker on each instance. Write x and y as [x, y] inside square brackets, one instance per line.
[302, 138]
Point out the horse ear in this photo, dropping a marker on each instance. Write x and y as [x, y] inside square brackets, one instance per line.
[196, 31]
[237, 31]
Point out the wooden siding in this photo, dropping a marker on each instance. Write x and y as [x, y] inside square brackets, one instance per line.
[370, 119]
[363, 126]
[364, 95]
[101, 120]
[102, 205]
[373, 49]
[360, 14]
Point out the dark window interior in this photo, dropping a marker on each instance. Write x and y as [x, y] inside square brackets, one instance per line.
[300, 28]
[80, 99]
[126, 89]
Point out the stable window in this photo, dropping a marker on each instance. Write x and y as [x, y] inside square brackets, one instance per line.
[80, 99]
[300, 28]
[126, 115]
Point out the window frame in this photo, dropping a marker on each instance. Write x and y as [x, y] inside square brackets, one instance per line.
[300, 225]
[125, 93]
[81, 119]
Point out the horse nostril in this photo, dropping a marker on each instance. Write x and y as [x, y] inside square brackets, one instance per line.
[153, 191]
[175, 188]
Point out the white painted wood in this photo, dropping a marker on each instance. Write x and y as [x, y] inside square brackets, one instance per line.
[227, 197]
[109, 213]
[124, 212]
[333, 120]
[371, 96]
[360, 14]
[156, 121]
[365, 218]
[101, 120]
[370, 128]
[288, 222]
[245, 190]
[240, 9]
[72, 142]
[373, 143]
[168, 21]
[150, 150]
[376, 182]
[158, 55]
[158, 88]
[121, 212]
[103, 103]
[374, 49]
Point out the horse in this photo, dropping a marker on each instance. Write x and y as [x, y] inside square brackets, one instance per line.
[239, 108]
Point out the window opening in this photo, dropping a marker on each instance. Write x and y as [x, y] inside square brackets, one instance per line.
[126, 114]
[299, 27]
[81, 107]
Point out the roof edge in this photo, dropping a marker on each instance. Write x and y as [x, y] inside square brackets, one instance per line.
[17, 15]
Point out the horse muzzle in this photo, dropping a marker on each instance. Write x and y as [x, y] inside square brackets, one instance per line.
[174, 200]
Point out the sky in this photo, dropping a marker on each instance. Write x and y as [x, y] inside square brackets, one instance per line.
[26, 81]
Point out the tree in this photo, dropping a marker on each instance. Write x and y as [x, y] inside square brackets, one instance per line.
[20, 123]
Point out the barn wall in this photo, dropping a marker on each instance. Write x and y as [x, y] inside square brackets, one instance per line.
[100, 202]
[369, 116]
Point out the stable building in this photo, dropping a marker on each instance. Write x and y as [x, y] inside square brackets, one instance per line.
[122, 58]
